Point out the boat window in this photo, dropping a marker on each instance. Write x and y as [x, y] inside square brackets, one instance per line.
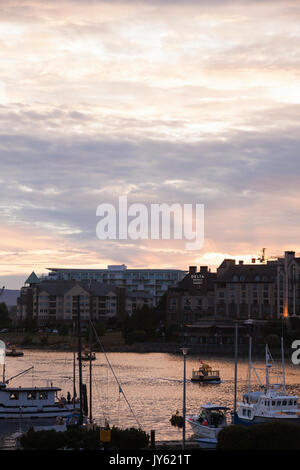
[279, 403]
[284, 403]
[244, 412]
[43, 395]
[31, 395]
[14, 396]
[249, 413]
[273, 403]
[291, 402]
[295, 402]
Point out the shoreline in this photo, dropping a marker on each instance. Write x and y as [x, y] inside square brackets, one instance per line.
[169, 348]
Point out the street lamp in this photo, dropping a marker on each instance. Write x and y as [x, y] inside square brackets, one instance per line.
[184, 352]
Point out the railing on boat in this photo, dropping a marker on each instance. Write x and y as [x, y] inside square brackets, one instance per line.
[207, 373]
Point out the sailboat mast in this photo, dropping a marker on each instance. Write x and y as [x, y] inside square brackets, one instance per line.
[235, 367]
[267, 369]
[250, 363]
[283, 366]
[79, 359]
[74, 377]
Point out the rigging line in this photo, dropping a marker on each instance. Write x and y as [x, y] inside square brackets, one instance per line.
[99, 394]
[113, 372]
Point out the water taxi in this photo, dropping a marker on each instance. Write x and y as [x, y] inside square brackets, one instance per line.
[13, 351]
[88, 355]
[205, 374]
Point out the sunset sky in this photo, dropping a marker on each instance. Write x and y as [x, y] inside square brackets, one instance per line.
[165, 101]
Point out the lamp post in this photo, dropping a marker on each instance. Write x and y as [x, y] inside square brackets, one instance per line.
[184, 352]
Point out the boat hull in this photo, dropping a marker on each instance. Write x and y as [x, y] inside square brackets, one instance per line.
[201, 430]
[51, 413]
[207, 443]
[206, 380]
[15, 354]
[266, 419]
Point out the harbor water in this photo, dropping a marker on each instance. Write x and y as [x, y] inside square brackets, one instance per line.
[152, 383]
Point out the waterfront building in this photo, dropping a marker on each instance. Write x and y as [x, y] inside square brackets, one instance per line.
[56, 301]
[153, 281]
[192, 298]
[246, 290]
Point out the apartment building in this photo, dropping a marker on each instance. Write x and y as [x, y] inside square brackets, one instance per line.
[153, 281]
[57, 301]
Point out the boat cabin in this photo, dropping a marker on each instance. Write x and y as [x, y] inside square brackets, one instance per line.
[214, 416]
[27, 396]
[205, 373]
[267, 404]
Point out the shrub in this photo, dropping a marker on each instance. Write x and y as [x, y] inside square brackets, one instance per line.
[27, 340]
[236, 437]
[42, 440]
[276, 436]
[265, 436]
[51, 440]
[136, 336]
[130, 438]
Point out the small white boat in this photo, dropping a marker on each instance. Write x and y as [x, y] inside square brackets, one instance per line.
[209, 422]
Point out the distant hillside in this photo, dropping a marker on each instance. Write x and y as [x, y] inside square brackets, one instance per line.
[10, 296]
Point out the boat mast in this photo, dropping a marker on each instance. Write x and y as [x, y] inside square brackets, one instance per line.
[2, 359]
[267, 369]
[74, 373]
[90, 347]
[235, 367]
[283, 367]
[250, 363]
[79, 360]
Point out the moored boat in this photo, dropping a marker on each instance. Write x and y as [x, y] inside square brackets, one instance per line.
[271, 403]
[210, 420]
[30, 402]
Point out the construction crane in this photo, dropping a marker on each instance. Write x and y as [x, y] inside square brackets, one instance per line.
[263, 258]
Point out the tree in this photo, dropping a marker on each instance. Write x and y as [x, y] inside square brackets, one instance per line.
[143, 319]
[5, 321]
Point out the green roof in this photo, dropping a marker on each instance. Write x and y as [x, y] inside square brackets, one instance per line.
[32, 279]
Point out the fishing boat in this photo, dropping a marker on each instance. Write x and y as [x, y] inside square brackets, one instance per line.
[205, 373]
[29, 402]
[209, 421]
[271, 403]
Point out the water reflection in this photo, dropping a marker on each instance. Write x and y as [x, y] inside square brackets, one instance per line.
[152, 382]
